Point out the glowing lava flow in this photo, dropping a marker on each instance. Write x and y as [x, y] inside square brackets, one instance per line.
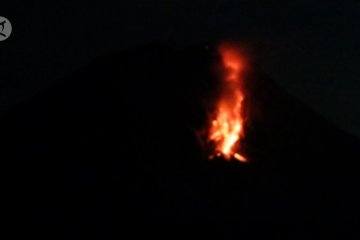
[227, 124]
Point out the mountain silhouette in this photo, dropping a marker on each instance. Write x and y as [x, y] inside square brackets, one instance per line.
[112, 150]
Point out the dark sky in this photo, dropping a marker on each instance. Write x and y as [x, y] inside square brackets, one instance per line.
[310, 47]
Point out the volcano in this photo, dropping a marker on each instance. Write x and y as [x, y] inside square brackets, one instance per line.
[113, 149]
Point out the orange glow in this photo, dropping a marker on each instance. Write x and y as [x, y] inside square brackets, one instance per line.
[227, 123]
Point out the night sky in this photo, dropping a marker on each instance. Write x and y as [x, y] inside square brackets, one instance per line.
[309, 47]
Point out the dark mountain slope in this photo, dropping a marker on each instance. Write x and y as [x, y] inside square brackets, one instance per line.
[112, 149]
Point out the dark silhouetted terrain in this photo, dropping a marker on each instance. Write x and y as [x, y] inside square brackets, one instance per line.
[112, 150]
